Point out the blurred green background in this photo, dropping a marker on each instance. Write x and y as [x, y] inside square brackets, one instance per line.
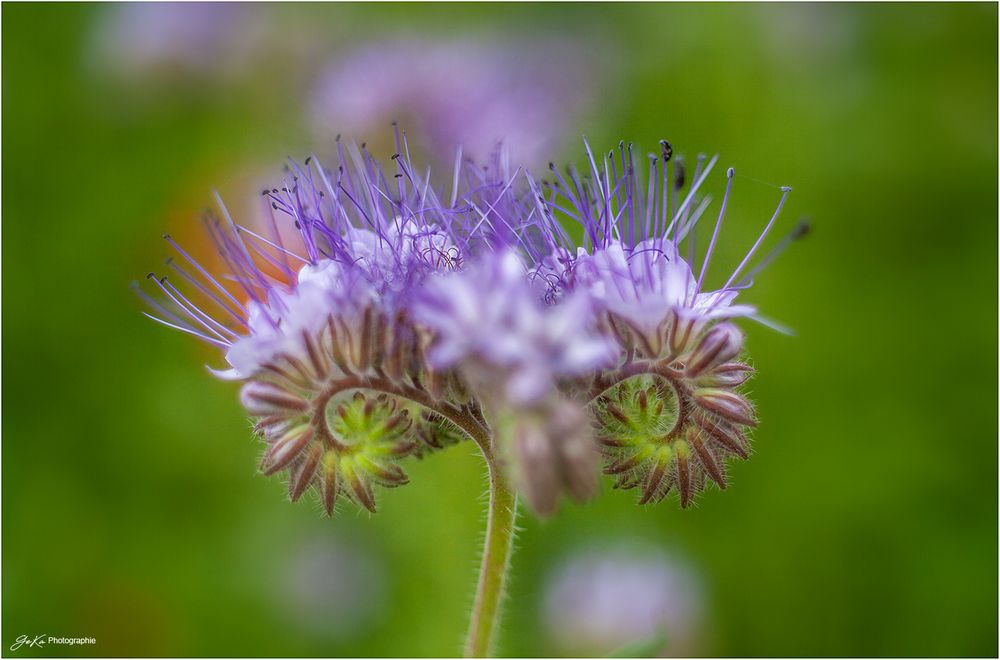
[865, 524]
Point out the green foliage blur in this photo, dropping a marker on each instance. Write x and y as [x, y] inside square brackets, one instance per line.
[865, 523]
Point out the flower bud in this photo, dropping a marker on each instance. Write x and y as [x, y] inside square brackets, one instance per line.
[685, 485]
[726, 404]
[331, 481]
[302, 474]
[360, 490]
[728, 375]
[657, 481]
[721, 343]
[286, 448]
[274, 426]
[385, 474]
[263, 398]
[555, 453]
[536, 460]
[433, 432]
[714, 467]
[622, 331]
[578, 457]
[629, 463]
[727, 438]
[685, 325]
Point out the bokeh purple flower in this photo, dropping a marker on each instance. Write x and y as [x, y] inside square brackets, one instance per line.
[597, 601]
[146, 41]
[330, 587]
[474, 93]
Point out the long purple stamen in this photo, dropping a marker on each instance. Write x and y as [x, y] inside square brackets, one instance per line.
[760, 239]
[695, 186]
[796, 233]
[388, 231]
[718, 224]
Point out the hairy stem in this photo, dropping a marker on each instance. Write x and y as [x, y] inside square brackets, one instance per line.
[503, 500]
[493, 569]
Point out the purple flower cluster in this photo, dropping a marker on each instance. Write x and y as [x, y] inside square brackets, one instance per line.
[468, 310]
[494, 315]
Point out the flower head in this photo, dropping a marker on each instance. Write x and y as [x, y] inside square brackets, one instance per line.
[406, 316]
[492, 317]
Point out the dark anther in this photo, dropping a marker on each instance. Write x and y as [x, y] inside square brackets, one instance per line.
[552, 166]
[337, 139]
[274, 190]
[166, 237]
[802, 229]
[395, 156]
[322, 194]
[274, 206]
[265, 193]
[679, 176]
[668, 150]
[364, 144]
[150, 276]
[308, 159]
[297, 225]
[397, 176]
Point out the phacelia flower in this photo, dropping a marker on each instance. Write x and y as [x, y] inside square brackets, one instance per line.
[179, 40]
[510, 331]
[464, 92]
[603, 601]
[407, 315]
[330, 587]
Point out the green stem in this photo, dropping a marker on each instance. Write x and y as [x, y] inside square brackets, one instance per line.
[493, 570]
[503, 501]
